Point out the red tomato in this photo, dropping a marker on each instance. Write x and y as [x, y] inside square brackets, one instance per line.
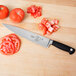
[48, 27]
[4, 11]
[52, 22]
[7, 48]
[44, 21]
[48, 24]
[49, 33]
[56, 21]
[56, 27]
[45, 30]
[6, 38]
[35, 11]
[41, 26]
[10, 44]
[16, 41]
[17, 15]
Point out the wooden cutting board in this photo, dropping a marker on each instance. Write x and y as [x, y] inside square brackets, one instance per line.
[33, 59]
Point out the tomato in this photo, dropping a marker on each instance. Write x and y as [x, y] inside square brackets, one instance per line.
[4, 11]
[48, 27]
[17, 15]
[6, 38]
[48, 24]
[10, 44]
[44, 21]
[16, 41]
[35, 11]
[56, 21]
[31, 9]
[44, 30]
[41, 26]
[7, 48]
[52, 22]
[49, 33]
[56, 27]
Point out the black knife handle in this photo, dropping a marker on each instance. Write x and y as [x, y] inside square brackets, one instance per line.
[63, 47]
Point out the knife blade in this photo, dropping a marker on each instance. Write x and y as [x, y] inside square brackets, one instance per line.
[46, 42]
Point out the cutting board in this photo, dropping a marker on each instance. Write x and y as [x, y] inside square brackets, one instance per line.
[33, 59]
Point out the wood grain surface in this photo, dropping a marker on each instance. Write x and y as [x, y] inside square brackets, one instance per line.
[33, 59]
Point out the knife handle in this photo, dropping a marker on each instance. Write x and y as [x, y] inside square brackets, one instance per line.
[64, 47]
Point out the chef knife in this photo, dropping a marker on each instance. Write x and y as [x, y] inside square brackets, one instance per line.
[39, 39]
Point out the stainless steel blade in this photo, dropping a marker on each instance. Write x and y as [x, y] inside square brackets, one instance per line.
[30, 35]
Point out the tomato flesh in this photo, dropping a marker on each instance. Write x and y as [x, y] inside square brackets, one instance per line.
[7, 48]
[35, 11]
[48, 27]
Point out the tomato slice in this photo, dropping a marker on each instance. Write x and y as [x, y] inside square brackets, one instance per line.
[10, 44]
[6, 38]
[16, 41]
[7, 48]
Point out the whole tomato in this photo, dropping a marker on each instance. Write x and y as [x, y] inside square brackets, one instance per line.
[17, 15]
[4, 11]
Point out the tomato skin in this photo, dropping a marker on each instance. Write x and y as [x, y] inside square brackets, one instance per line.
[4, 11]
[17, 15]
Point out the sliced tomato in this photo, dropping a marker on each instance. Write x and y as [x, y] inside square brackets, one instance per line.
[56, 27]
[48, 27]
[49, 33]
[10, 44]
[56, 21]
[35, 11]
[16, 41]
[7, 48]
[48, 24]
[44, 21]
[41, 26]
[6, 38]
[45, 30]
[52, 22]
